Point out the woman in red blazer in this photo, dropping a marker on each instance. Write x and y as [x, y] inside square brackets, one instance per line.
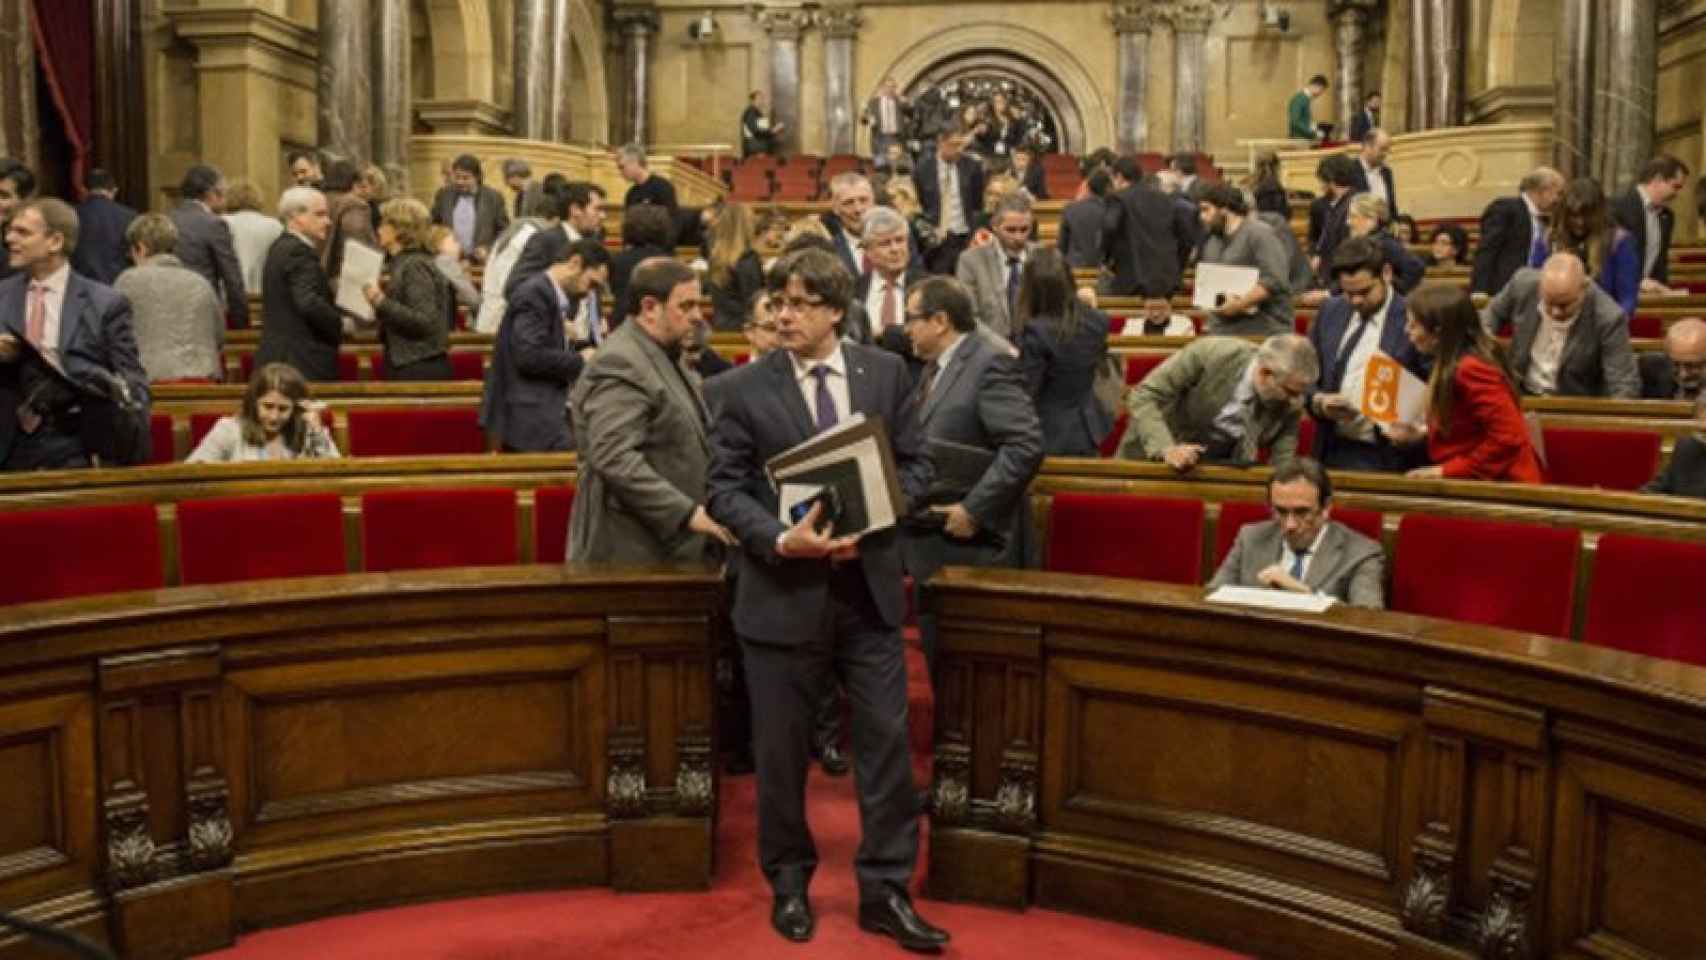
[1475, 426]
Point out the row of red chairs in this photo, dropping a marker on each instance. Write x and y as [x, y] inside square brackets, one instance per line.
[375, 432]
[81, 551]
[1645, 596]
[464, 365]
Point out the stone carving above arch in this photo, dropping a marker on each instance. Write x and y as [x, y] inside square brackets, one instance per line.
[1087, 121]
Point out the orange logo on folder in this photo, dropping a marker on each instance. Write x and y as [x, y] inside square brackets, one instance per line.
[1380, 389]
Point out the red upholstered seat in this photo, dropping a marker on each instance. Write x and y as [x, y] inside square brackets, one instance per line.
[1647, 598]
[423, 529]
[246, 364]
[1138, 365]
[1118, 535]
[1613, 459]
[467, 365]
[1646, 326]
[1510, 575]
[160, 438]
[349, 366]
[1111, 442]
[1234, 514]
[200, 424]
[78, 551]
[423, 431]
[261, 538]
[552, 507]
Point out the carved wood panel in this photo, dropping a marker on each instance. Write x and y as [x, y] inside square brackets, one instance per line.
[47, 764]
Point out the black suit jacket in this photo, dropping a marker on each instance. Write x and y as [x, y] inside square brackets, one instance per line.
[1151, 238]
[1034, 183]
[1685, 474]
[856, 326]
[102, 252]
[1083, 231]
[1507, 239]
[544, 248]
[300, 324]
[1334, 229]
[1627, 209]
[1327, 335]
[760, 413]
[930, 188]
[1362, 122]
[204, 245]
[491, 214]
[1391, 189]
[1060, 376]
[524, 405]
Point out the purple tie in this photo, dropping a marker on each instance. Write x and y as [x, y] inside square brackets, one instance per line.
[826, 416]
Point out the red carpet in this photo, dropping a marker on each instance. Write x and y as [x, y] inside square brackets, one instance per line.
[732, 920]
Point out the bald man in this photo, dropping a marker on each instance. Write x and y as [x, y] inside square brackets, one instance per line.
[1678, 373]
[1568, 337]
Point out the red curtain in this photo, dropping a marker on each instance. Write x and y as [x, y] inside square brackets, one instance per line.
[65, 48]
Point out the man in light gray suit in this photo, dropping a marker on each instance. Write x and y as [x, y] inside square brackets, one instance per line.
[641, 427]
[1568, 337]
[991, 272]
[1302, 549]
[983, 439]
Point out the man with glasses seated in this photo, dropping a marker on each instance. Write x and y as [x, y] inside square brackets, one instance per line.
[1222, 399]
[1678, 373]
[1302, 549]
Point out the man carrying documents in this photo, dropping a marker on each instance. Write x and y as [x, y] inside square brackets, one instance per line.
[982, 436]
[1242, 274]
[821, 590]
[1301, 550]
[1370, 371]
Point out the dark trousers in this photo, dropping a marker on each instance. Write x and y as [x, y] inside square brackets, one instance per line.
[1340, 453]
[787, 685]
[946, 256]
[432, 368]
[46, 449]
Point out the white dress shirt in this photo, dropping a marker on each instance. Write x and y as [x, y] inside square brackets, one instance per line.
[837, 381]
[1361, 429]
[953, 209]
[1376, 183]
[54, 306]
[1547, 354]
[874, 300]
[1654, 232]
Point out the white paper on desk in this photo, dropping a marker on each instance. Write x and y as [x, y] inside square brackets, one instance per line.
[1272, 599]
[1385, 392]
[362, 266]
[1216, 282]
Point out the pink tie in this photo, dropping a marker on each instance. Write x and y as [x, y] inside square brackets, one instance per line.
[35, 327]
[889, 319]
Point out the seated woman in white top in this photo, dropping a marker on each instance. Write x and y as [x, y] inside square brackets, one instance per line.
[277, 422]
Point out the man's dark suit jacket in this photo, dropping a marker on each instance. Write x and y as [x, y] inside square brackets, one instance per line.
[1627, 209]
[1685, 474]
[858, 322]
[1391, 190]
[1658, 376]
[621, 269]
[930, 188]
[96, 337]
[1334, 231]
[1327, 335]
[204, 245]
[761, 413]
[300, 324]
[846, 246]
[1060, 376]
[491, 214]
[525, 402]
[1507, 241]
[1083, 232]
[1034, 183]
[1362, 122]
[544, 248]
[102, 252]
[1151, 238]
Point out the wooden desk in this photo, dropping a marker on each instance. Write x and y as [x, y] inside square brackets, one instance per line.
[1352, 785]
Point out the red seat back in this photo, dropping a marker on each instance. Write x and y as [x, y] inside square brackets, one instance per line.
[160, 438]
[78, 551]
[200, 424]
[1511, 575]
[552, 507]
[1111, 442]
[423, 529]
[349, 366]
[1646, 326]
[1118, 535]
[261, 538]
[1138, 365]
[1234, 514]
[1612, 459]
[1647, 598]
[424, 431]
[467, 365]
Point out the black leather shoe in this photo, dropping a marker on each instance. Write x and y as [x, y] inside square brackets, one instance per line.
[893, 916]
[834, 761]
[792, 918]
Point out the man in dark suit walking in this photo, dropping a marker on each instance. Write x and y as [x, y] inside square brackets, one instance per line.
[524, 406]
[1150, 238]
[1511, 229]
[300, 322]
[102, 251]
[1372, 172]
[204, 239]
[807, 603]
[1367, 118]
[474, 212]
[950, 193]
[48, 311]
[1084, 225]
[974, 399]
[1644, 210]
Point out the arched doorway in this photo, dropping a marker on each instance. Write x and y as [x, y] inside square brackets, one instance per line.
[976, 80]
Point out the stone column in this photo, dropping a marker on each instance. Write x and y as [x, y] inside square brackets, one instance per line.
[559, 93]
[1191, 20]
[840, 25]
[785, 28]
[1626, 91]
[18, 134]
[1573, 73]
[392, 110]
[346, 79]
[1350, 43]
[1421, 62]
[1133, 24]
[1436, 64]
[637, 25]
[534, 48]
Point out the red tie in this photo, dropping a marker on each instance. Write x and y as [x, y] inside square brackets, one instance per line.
[35, 328]
[889, 318]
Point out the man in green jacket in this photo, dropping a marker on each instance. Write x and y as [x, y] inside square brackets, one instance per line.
[1300, 124]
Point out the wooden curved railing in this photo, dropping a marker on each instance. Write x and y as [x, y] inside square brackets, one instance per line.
[1354, 784]
[183, 764]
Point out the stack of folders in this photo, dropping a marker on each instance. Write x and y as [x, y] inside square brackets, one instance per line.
[850, 468]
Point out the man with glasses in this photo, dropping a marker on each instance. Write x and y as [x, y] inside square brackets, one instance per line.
[1222, 399]
[1568, 337]
[1302, 549]
[760, 328]
[809, 604]
[1677, 373]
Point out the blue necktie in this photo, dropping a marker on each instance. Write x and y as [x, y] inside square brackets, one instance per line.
[826, 416]
[1012, 288]
[1297, 564]
[592, 331]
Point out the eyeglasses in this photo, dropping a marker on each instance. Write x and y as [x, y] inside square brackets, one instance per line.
[763, 327]
[797, 304]
[910, 316]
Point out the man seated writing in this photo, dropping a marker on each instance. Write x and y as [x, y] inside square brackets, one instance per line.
[1302, 549]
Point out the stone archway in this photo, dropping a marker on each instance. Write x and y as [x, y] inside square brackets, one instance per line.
[589, 97]
[461, 37]
[1082, 114]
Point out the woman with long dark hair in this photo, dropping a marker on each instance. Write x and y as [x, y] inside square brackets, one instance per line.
[1582, 225]
[1265, 185]
[1061, 343]
[277, 421]
[1475, 428]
